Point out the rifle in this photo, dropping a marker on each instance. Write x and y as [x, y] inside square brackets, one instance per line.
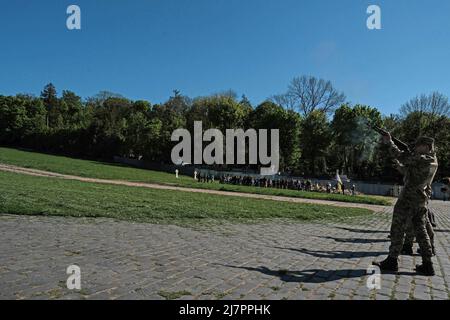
[400, 144]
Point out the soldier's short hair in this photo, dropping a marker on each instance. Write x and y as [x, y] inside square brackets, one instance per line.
[425, 141]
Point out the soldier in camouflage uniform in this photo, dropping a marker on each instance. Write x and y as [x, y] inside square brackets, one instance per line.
[420, 168]
[410, 236]
[447, 182]
[446, 189]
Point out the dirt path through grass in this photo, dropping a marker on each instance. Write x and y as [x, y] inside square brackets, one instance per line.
[41, 173]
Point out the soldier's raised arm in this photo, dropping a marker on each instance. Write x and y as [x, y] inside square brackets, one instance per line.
[400, 167]
[393, 149]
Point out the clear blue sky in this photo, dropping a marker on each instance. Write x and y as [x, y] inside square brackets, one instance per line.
[144, 49]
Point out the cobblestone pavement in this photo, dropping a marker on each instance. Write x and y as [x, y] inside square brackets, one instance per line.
[276, 260]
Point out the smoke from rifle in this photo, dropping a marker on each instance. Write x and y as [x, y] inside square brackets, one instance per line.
[400, 144]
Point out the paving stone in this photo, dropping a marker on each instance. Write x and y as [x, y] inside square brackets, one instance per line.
[271, 260]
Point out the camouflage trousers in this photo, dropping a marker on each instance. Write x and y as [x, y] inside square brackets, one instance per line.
[413, 214]
[410, 235]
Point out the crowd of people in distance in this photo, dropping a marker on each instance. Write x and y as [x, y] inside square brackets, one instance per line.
[281, 183]
[206, 178]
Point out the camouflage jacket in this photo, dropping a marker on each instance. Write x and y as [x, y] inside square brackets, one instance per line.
[418, 171]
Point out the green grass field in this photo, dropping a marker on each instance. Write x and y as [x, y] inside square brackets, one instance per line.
[30, 195]
[94, 169]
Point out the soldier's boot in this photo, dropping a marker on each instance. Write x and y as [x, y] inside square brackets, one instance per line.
[389, 264]
[426, 268]
[407, 250]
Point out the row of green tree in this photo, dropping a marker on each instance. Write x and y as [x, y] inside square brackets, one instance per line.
[319, 132]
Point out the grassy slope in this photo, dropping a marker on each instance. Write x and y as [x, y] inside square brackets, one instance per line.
[96, 169]
[22, 194]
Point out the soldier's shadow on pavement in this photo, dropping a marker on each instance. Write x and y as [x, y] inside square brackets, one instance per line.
[362, 230]
[355, 240]
[307, 275]
[311, 275]
[441, 230]
[336, 254]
